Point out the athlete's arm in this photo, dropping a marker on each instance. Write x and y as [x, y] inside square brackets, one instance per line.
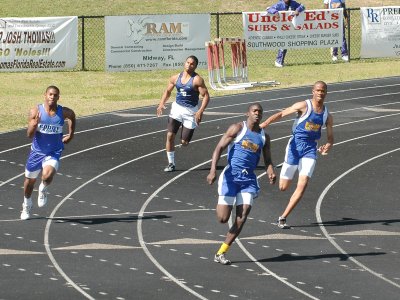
[269, 167]
[33, 121]
[167, 93]
[298, 107]
[226, 139]
[198, 82]
[324, 149]
[69, 116]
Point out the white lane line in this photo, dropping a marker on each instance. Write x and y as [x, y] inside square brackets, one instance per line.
[18, 252]
[328, 236]
[368, 233]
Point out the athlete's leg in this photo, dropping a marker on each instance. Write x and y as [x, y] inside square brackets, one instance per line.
[186, 136]
[242, 211]
[29, 184]
[286, 176]
[306, 169]
[172, 127]
[297, 195]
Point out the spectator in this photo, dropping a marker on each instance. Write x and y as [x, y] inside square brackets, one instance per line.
[333, 4]
[287, 5]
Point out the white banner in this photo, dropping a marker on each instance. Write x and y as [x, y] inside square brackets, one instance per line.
[311, 29]
[38, 44]
[153, 42]
[380, 31]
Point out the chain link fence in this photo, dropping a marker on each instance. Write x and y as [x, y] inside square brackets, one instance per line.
[91, 52]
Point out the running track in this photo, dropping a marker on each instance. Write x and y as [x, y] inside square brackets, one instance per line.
[117, 227]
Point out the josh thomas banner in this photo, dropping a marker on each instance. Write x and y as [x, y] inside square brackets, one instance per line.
[312, 29]
[38, 44]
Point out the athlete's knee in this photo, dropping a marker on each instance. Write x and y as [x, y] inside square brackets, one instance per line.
[184, 143]
[284, 185]
[170, 135]
[222, 219]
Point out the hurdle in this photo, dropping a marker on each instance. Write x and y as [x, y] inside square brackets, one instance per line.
[217, 65]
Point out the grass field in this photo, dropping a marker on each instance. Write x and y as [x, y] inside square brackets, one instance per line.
[94, 92]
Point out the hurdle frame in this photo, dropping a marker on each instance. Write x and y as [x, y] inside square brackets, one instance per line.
[217, 65]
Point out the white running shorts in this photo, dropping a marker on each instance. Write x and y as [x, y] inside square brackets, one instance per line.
[306, 167]
[183, 114]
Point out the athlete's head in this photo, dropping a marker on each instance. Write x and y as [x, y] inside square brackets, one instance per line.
[53, 87]
[194, 59]
[254, 112]
[319, 91]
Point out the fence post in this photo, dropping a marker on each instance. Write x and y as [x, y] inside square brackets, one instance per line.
[348, 31]
[83, 43]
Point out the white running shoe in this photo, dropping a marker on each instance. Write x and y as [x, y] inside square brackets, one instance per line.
[334, 58]
[278, 65]
[220, 258]
[42, 198]
[26, 210]
[170, 168]
[282, 223]
[345, 58]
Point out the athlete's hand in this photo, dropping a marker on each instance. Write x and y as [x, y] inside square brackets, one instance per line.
[272, 177]
[324, 149]
[211, 178]
[67, 138]
[160, 109]
[197, 117]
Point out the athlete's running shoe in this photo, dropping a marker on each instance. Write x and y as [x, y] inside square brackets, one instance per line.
[26, 210]
[170, 168]
[282, 223]
[220, 258]
[42, 198]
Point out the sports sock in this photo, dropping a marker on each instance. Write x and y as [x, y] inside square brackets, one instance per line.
[27, 201]
[223, 249]
[171, 157]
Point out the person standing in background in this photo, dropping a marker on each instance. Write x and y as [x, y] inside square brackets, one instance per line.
[332, 4]
[284, 5]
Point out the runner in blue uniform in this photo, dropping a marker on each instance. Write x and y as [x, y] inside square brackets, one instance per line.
[238, 184]
[185, 110]
[301, 151]
[45, 126]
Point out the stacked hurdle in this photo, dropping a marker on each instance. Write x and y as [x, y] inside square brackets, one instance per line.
[217, 65]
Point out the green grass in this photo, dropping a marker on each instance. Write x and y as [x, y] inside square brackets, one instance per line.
[92, 92]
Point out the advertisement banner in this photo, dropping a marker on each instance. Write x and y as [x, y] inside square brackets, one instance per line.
[153, 42]
[38, 44]
[311, 29]
[380, 34]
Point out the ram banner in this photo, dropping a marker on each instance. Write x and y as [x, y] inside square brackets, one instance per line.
[153, 42]
[38, 44]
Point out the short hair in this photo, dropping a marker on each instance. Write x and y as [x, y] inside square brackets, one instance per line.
[53, 87]
[196, 60]
[321, 82]
[254, 104]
